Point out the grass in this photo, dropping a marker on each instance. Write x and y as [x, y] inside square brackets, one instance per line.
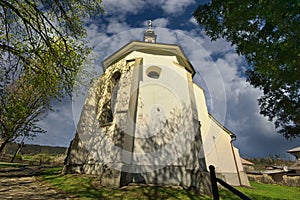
[267, 191]
[86, 187]
[41, 158]
[6, 164]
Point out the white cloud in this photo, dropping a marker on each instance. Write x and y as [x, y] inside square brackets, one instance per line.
[114, 26]
[176, 6]
[95, 35]
[193, 21]
[158, 22]
[123, 7]
[172, 6]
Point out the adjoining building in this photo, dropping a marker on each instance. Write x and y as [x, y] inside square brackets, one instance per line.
[247, 165]
[145, 121]
[296, 166]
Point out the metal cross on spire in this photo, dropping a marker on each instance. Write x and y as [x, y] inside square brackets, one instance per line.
[150, 24]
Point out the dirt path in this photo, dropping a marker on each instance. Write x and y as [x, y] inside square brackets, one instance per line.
[21, 183]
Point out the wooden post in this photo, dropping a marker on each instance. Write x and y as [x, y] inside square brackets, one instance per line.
[232, 189]
[214, 185]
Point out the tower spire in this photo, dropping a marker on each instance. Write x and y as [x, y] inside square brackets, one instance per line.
[149, 35]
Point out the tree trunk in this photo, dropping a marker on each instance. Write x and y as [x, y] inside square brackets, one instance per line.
[3, 142]
[20, 146]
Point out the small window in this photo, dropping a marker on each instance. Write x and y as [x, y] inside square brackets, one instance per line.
[153, 72]
[116, 76]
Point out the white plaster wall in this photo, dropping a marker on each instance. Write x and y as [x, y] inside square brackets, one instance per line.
[216, 141]
[224, 155]
[164, 112]
[202, 111]
[216, 145]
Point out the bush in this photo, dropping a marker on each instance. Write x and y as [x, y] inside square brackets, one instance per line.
[39, 159]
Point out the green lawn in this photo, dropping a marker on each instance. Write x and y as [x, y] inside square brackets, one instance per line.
[86, 187]
[267, 191]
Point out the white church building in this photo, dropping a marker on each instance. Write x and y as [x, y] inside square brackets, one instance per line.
[145, 121]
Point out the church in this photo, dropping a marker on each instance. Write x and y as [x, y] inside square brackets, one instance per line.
[145, 121]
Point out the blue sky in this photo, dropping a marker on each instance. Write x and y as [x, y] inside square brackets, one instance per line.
[220, 72]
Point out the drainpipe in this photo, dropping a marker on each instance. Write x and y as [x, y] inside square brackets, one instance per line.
[233, 138]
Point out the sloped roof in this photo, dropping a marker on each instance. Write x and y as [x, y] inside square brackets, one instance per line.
[294, 149]
[246, 162]
[232, 135]
[295, 166]
[152, 48]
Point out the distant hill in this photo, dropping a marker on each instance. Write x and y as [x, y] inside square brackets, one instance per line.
[32, 149]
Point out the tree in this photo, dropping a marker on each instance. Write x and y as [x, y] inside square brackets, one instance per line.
[267, 33]
[43, 54]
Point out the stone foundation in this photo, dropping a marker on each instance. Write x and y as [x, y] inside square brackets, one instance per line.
[292, 181]
[170, 175]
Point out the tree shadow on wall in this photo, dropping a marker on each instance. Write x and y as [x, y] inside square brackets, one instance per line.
[172, 156]
[174, 153]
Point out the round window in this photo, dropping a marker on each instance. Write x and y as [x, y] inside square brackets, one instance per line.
[153, 72]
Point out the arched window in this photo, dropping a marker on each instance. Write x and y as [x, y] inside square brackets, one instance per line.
[107, 114]
[116, 76]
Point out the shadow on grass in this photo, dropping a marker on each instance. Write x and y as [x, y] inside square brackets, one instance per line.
[159, 192]
[87, 186]
[76, 185]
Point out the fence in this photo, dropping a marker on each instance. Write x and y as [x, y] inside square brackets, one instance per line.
[214, 185]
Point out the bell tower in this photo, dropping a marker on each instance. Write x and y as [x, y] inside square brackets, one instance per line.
[149, 35]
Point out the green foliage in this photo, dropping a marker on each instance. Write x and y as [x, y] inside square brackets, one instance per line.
[43, 159]
[261, 163]
[18, 157]
[42, 57]
[267, 33]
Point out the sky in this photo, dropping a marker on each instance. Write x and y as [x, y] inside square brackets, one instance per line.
[219, 71]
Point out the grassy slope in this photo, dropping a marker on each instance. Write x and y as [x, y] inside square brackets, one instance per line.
[86, 187]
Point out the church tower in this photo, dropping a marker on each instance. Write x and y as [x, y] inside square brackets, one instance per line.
[142, 120]
[149, 35]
